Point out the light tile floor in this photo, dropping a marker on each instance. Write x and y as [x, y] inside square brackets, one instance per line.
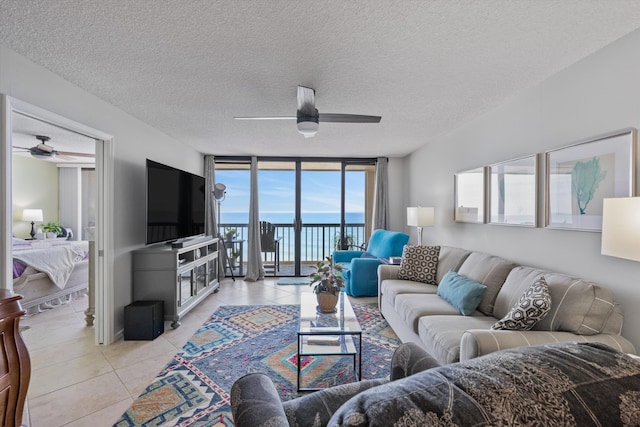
[76, 383]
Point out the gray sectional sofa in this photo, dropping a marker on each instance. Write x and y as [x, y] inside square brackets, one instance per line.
[580, 310]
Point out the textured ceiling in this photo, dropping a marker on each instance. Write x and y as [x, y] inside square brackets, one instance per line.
[427, 67]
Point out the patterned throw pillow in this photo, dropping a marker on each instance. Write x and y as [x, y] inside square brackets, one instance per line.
[419, 263]
[532, 307]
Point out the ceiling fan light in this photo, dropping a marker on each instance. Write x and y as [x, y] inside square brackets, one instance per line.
[308, 128]
[43, 156]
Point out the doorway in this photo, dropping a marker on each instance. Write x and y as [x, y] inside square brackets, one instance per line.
[103, 255]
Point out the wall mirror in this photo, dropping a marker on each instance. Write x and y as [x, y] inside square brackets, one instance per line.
[469, 196]
[513, 192]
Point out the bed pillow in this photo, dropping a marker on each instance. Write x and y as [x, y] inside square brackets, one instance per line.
[420, 264]
[532, 306]
[461, 292]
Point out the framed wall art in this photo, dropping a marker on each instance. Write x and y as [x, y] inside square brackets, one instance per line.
[469, 196]
[513, 192]
[580, 176]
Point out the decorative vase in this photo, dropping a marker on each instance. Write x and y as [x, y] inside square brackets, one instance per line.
[327, 302]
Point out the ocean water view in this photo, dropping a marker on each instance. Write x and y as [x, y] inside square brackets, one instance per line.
[319, 235]
[288, 217]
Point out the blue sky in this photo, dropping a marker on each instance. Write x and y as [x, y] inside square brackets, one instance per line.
[320, 191]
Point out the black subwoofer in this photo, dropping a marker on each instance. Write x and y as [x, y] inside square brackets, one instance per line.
[143, 320]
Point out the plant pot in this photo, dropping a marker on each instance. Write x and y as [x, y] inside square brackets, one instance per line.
[327, 302]
[51, 235]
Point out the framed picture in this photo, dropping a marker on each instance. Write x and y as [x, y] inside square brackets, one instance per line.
[512, 192]
[580, 176]
[469, 196]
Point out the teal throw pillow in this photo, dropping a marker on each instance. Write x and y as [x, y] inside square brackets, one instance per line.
[461, 292]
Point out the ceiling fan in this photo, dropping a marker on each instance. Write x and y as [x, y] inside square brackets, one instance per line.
[43, 151]
[308, 118]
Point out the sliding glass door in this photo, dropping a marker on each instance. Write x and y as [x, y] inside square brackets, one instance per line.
[315, 206]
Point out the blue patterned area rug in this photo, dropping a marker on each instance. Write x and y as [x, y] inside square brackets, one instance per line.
[193, 389]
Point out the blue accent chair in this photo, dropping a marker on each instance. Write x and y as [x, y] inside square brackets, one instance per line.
[361, 267]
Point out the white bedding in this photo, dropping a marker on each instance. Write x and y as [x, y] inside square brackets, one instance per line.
[55, 258]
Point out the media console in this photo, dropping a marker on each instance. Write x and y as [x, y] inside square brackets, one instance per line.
[181, 277]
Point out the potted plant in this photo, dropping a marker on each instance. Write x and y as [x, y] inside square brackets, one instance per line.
[52, 229]
[327, 282]
[345, 242]
[233, 257]
[230, 233]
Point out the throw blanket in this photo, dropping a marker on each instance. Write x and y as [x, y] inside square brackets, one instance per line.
[56, 259]
[563, 384]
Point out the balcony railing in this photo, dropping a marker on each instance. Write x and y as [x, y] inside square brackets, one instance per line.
[317, 240]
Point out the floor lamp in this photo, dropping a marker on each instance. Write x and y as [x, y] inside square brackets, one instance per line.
[420, 217]
[219, 193]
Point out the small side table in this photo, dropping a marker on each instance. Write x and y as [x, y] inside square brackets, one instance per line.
[231, 246]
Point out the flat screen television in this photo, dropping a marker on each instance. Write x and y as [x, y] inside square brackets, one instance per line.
[175, 203]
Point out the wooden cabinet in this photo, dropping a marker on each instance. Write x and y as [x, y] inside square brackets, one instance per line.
[15, 365]
[180, 277]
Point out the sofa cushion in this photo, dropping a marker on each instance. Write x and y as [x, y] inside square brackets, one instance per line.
[534, 304]
[461, 292]
[441, 335]
[450, 258]
[419, 263]
[489, 270]
[577, 305]
[411, 307]
[391, 288]
[385, 244]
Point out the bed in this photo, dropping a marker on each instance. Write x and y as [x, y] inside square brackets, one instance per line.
[48, 273]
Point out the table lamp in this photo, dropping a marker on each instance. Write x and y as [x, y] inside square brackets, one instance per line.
[420, 217]
[32, 215]
[621, 227]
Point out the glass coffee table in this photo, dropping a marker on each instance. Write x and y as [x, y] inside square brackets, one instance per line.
[328, 334]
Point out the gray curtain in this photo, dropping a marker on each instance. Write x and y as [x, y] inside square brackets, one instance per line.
[255, 270]
[211, 222]
[381, 196]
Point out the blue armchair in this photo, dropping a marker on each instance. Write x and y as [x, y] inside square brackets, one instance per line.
[361, 267]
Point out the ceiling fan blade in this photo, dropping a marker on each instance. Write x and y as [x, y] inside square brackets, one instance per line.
[266, 118]
[72, 154]
[348, 118]
[65, 156]
[306, 101]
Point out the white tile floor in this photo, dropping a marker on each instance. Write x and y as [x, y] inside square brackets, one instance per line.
[75, 383]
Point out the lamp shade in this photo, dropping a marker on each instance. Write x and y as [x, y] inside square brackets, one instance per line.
[218, 190]
[420, 216]
[621, 228]
[32, 215]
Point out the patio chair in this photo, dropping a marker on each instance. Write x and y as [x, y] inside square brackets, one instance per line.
[270, 243]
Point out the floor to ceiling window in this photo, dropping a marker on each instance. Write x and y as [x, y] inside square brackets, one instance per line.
[315, 206]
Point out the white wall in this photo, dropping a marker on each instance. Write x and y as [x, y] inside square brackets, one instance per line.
[134, 141]
[595, 96]
[35, 186]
